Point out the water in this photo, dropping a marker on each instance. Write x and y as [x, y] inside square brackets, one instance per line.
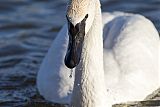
[27, 28]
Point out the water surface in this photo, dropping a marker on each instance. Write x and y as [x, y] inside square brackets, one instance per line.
[28, 27]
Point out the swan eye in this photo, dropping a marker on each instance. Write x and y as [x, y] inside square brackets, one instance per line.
[86, 16]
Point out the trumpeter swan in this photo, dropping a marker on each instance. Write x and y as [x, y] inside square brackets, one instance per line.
[120, 66]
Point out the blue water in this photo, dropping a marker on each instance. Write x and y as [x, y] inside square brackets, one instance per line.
[28, 27]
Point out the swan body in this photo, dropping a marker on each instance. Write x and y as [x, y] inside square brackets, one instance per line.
[122, 65]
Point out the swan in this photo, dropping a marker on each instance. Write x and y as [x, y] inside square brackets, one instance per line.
[113, 57]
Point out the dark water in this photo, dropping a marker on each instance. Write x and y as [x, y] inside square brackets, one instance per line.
[27, 28]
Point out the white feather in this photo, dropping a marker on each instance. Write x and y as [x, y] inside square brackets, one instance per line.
[131, 62]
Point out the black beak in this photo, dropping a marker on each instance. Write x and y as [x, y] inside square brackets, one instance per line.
[76, 38]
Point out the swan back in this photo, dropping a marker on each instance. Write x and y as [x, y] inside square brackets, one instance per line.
[131, 45]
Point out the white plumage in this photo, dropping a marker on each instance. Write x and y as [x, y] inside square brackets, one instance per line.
[130, 60]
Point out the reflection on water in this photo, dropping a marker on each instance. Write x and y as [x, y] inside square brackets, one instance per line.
[27, 28]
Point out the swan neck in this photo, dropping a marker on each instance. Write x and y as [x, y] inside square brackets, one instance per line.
[89, 87]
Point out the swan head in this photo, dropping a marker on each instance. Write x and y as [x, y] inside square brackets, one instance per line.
[80, 15]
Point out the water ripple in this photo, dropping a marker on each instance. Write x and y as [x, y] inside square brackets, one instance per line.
[27, 29]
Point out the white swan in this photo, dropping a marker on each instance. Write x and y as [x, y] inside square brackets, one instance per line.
[122, 66]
